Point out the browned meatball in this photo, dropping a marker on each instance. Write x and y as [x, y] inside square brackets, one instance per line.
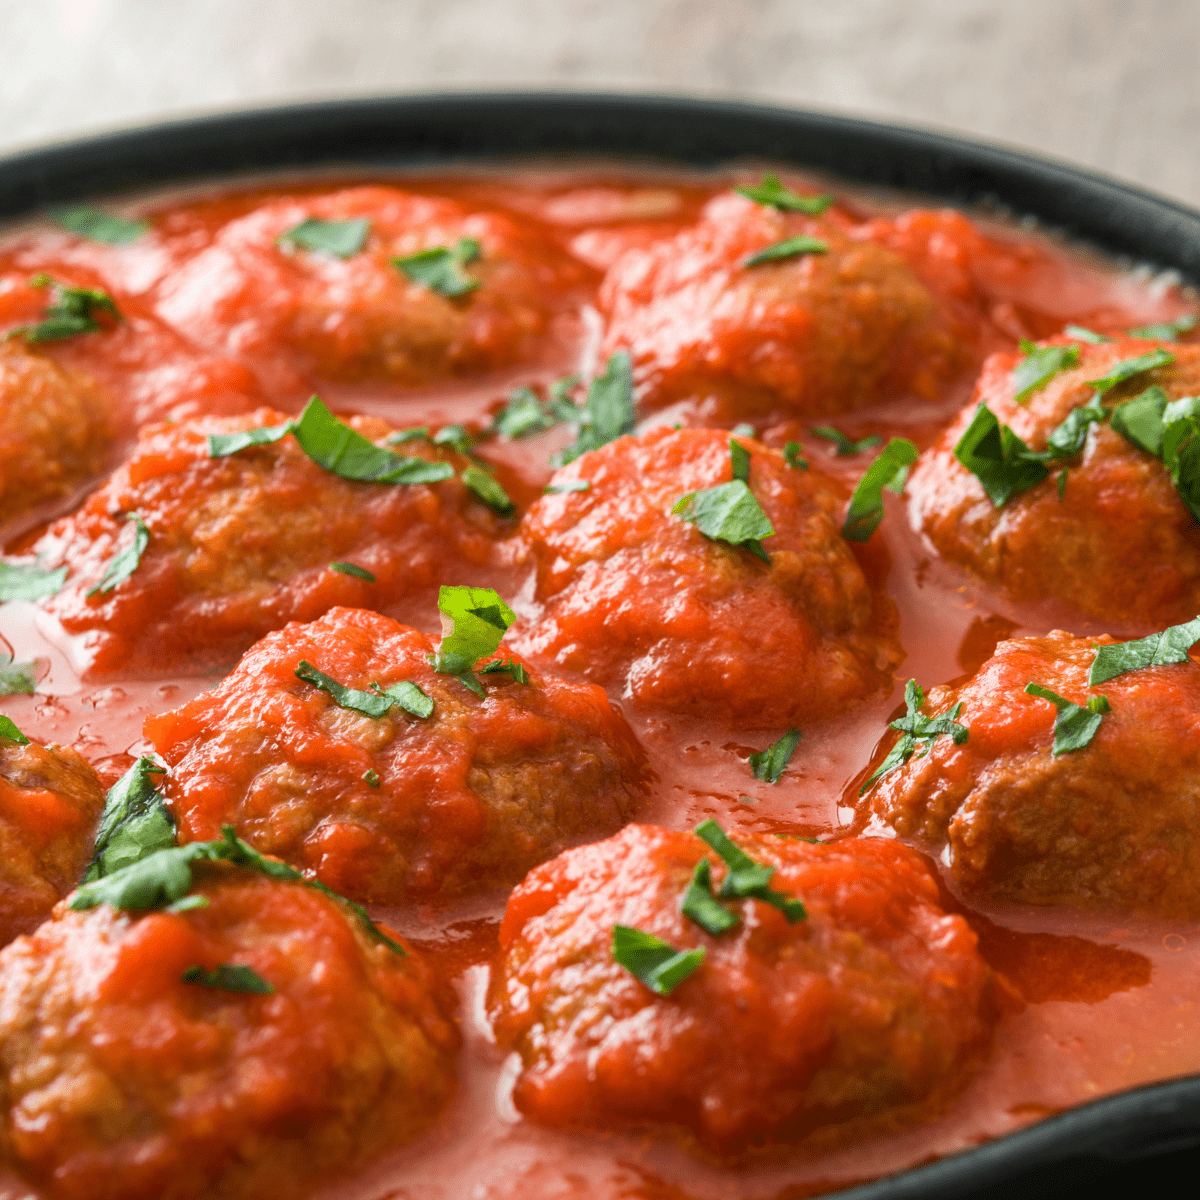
[1118, 545]
[1115, 824]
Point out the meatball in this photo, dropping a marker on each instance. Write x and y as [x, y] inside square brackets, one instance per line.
[243, 544]
[808, 335]
[1118, 544]
[877, 1001]
[630, 592]
[360, 318]
[54, 430]
[50, 801]
[120, 1080]
[1111, 825]
[398, 806]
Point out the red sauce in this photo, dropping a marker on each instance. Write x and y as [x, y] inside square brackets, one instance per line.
[1109, 1003]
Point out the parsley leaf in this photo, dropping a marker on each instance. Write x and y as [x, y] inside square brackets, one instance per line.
[652, 962]
[1127, 368]
[507, 666]
[844, 446]
[728, 513]
[746, 879]
[569, 485]
[791, 247]
[998, 458]
[135, 823]
[99, 226]
[772, 194]
[17, 678]
[1166, 331]
[1074, 727]
[229, 977]
[524, 414]
[1039, 366]
[27, 581]
[488, 490]
[1067, 439]
[889, 470]
[124, 562]
[368, 703]
[220, 445]
[771, 763]
[408, 696]
[1140, 420]
[9, 731]
[474, 620]
[739, 461]
[917, 728]
[370, 777]
[1082, 334]
[343, 239]
[1181, 450]
[440, 269]
[1169, 646]
[71, 311]
[348, 568]
[791, 456]
[701, 906]
[607, 412]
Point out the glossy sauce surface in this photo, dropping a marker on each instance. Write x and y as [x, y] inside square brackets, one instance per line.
[1109, 1003]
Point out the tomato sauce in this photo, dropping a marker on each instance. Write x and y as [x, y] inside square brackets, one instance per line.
[1109, 1002]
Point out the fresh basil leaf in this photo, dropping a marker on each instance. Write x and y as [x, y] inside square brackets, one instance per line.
[474, 620]
[1074, 727]
[889, 470]
[791, 456]
[792, 247]
[1081, 334]
[1039, 366]
[746, 879]
[1127, 368]
[71, 311]
[915, 728]
[221, 445]
[843, 445]
[124, 562]
[1068, 439]
[727, 513]
[367, 703]
[771, 763]
[343, 239]
[370, 777]
[488, 490]
[135, 823]
[457, 437]
[522, 415]
[1140, 420]
[743, 429]
[701, 906]
[347, 568]
[27, 581]
[99, 226]
[1169, 646]
[739, 461]
[408, 696]
[1181, 451]
[440, 269]
[419, 433]
[570, 485]
[9, 731]
[17, 678]
[1166, 331]
[229, 977]
[607, 413]
[998, 458]
[772, 194]
[654, 963]
[506, 666]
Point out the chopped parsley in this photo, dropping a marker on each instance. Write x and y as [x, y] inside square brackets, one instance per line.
[844, 446]
[370, 704]
[524, 414]
[701, 906]
[135, 823]
[1082, 334]
[728, 513]
[489, 490]
[10, 732]
[652, 962]
[998, 458]
[71, 311]
[99, 226]
[771, 193]
[568, 485]
[221, 445]
[792, 247]
[440, 269]
[793, 458]
[27, 581]
[770, 764]
[371, 777]
[1067, 439]
[348, 568]
[124, 562]
[229, 977]
[914, 728]
[1140, 420]
[1169, 646]
[342, 239]
[889, 470]
[607, 413]
[17, 678]
[1039, 366]
[1127, 368]
[746, 879]
[1074, 727]
[506, 666]
[1167, 331]
[408, 696]
[474, 620]
[739, 461]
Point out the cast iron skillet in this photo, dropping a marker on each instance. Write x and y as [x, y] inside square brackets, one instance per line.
[1137, 1138]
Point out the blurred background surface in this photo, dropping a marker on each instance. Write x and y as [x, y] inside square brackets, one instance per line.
[1110, 84]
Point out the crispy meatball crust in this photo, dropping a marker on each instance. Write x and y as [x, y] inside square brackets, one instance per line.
[242, 545]
[50, 801]
[468, 799]
[118, 1081]
[54, 430]
[878, 1001]
[1113, 825]
[815, 334]
[1120, 545]
[358, 319]
[693, 625]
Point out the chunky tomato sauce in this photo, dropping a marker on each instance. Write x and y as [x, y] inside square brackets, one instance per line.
[1101, 1002]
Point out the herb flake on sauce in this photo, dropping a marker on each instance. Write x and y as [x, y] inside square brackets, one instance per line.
[1159, 649]
[652, 962]
[99, 226]
[1074, 726]
[890, 471]
[342, 239]
[441, 269]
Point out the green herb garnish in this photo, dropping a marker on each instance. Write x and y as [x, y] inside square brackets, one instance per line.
[371, 777]
[1067, 439]
[701, 906]
[1074, 727]
[507, 666]
[124, 562]
[998, 458]
[607, 412]
[474, 620]
[135, 823]
[488, 490]
[1081, 334]
[1166, 331]
[229, 977]
[1157, 650]
[728, 513]
[343, 239]
[746, 879]
[1127, 368]
[771, 763]
[27, 581]
[1140, 420]
[1039, 366]
[99, 226]
[793, 458]
[916, 728]
[789, 248]
[440, 269]
[889, 470]
[10, 732]
[17, 678]
[843, 445]
[524, 414]
[772, 194]
[347, 568]
[408, 696]
[652, 962]
[570, 485]
[71, 311]
[370, 704]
